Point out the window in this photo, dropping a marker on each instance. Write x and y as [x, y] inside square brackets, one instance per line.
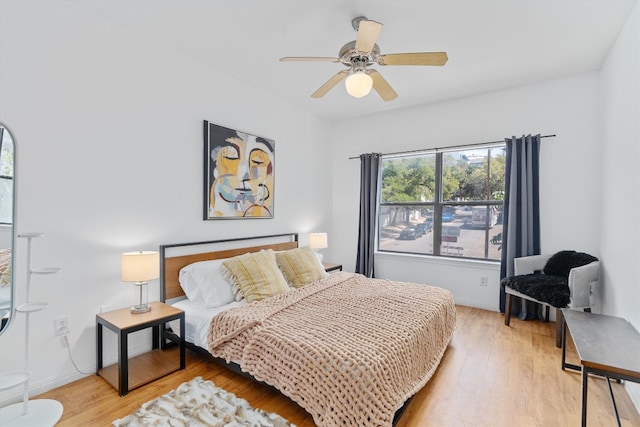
[443, 204]
[6, 178]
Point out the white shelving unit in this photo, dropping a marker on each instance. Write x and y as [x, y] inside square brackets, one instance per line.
[29, 413]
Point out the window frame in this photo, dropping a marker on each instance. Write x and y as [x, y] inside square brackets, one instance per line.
[437, 205]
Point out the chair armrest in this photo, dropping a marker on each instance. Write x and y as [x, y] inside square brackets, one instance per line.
[582, 282]
[529, 264]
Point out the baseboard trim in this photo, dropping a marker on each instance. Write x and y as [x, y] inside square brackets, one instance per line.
[15, 394]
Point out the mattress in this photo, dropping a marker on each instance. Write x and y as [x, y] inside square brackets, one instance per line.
[198, 319]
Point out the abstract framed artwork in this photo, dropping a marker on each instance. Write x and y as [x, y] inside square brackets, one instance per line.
[238, 174]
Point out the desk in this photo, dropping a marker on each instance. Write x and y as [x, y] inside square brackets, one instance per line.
[608, 346]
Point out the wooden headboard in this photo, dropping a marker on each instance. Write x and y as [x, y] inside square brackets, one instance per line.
[170, 265]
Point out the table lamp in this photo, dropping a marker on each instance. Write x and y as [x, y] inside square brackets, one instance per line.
[318, 241]
[140, 267]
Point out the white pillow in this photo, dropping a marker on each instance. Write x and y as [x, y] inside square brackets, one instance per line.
[204, 284]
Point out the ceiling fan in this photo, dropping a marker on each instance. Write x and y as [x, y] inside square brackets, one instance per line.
[362, 53]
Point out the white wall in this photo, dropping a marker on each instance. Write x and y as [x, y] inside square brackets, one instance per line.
[108, 128]
[570, 171]
[621, 179]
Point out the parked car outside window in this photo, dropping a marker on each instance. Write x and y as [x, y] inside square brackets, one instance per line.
[409, 233]
[424, 228]
[448, 213]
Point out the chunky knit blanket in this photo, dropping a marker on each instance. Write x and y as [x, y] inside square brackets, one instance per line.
[348, 349]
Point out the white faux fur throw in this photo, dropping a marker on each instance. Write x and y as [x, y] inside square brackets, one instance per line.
[200, 403]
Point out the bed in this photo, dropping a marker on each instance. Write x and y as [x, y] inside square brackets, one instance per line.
[349, 349]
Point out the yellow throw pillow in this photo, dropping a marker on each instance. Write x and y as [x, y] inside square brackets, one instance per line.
[256, 275]
[300, 266]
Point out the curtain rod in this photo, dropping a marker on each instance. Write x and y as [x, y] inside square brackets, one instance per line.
[436, 149]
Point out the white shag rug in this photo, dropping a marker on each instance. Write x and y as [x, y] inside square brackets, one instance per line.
[200, 403]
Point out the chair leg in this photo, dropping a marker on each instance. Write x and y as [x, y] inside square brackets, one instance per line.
[507, 310]
[559, 322]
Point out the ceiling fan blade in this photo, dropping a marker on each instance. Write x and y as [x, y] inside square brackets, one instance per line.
[368, 32]
[416, 58]
[337, 78]
[381, 86]
[308, 58]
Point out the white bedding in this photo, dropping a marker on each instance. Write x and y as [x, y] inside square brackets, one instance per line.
[197, 320]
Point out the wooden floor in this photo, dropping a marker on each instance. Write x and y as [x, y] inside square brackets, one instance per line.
[491, 375]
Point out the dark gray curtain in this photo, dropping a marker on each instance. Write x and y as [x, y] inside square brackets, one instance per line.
[369, 166]
[521, 217]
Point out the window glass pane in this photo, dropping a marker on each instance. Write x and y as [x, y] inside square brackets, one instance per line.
[471, 233]
[473, 175]
[408, 179]
[406, 229]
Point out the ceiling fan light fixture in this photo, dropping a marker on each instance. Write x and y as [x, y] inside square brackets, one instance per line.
[358, 84]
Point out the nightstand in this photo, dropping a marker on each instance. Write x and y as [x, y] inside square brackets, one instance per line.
[145, 367]
[329, 267]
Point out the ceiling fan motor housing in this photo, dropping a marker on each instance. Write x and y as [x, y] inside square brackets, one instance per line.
[349, 55]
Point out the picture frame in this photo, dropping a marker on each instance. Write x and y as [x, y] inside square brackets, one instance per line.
[238, 174]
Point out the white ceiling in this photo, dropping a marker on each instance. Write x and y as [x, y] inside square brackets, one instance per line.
[492, 44]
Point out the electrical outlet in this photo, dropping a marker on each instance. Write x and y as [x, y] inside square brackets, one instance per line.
[484, 280]
[61, 325]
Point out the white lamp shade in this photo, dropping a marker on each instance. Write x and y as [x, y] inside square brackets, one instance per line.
[140, 266]
[318, 241]
[358, 84]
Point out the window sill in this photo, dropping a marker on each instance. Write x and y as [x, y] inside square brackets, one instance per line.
[437, 260]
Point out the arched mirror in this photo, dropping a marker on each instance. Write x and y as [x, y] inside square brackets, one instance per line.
[7, 225]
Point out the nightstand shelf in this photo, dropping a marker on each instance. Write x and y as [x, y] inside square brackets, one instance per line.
[145, 368]
[130, 373]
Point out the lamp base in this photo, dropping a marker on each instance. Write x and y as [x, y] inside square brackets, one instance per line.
[143, 308]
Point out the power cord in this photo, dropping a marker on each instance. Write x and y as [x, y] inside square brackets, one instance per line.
[66, 341]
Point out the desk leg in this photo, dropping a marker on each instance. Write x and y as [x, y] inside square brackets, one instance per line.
[98, 346]
[613, 401]
[566, 365]
[585, 378]
[123, 364]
